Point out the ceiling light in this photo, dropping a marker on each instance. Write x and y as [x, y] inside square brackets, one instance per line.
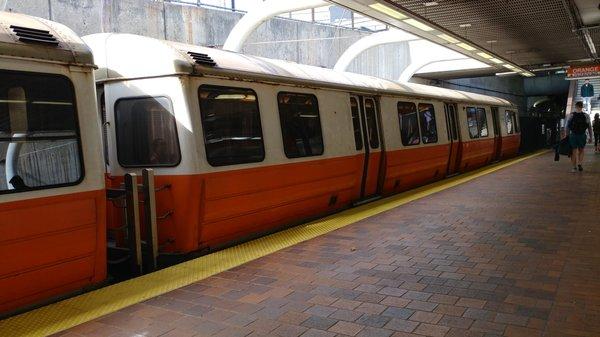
[491, 41]
[448, 38]
[508, 66]
[418, 24]
[465, 25]
[387, 10]
[528, 74]
[497, 61]
[485, 55]
[506, 73]
[465, 46]
[431, 3]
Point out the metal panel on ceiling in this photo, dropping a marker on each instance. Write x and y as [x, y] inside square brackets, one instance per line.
[527, 32]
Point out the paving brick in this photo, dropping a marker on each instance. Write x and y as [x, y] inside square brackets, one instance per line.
[374, 332]
[471, 303]
[288, 330]
[345, 304]
[391, 291]
[318, 322]
[346, 328]
[420, 305]
[376, 321]
[293, 317]
[320, 310]
[317, 333]
[371, 308]
[417, 295]
[426, 317]
[456, 322]
[395, 301]
[398, 312]
[346, 315]
[402, 325]
[431, 330]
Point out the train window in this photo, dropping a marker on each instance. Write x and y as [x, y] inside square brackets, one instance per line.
[482, 122]
[371, 115]
[146, 132]
[508, 121]
[427, 121]
[39, 135]
[356, 123]
[472, 122]
[232, 128]
[409, 124]
[453, 123]
[300, 124]
[515, 116]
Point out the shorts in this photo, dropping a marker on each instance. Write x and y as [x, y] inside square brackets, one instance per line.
[577, 141]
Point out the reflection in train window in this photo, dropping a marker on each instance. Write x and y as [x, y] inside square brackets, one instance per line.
[482, 122]
[39, 133]
[409, 125]
[356, 123]
[512, 122]
[146, 132]
[300, 124]
[477, 122]
[508, 121]
[472, 122]
[372, 129]
[231, 123]
[427, 121]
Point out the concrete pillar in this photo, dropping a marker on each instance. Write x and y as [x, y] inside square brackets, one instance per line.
[424, 52]
[262, 13]
[370, 41]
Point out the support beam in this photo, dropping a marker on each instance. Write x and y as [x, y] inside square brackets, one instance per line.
[424, 52]
[370, 41]
[261, 13]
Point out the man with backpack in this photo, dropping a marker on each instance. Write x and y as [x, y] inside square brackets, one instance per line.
[578, 123]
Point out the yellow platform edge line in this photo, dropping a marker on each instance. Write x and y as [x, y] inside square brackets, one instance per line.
[68, 313]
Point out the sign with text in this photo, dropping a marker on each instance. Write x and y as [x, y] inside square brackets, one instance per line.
[575, 73]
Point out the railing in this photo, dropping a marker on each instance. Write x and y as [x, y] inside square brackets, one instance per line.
[141, 253]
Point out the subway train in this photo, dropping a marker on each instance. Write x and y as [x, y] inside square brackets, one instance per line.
[239, 145]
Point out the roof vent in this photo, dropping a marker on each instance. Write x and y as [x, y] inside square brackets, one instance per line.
[30, 35]
[203, 59]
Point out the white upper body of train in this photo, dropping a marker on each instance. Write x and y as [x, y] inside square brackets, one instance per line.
[177, 79]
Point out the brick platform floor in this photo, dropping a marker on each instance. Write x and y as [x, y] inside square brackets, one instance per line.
[514, 253]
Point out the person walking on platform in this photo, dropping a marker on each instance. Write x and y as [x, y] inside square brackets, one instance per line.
[596, 128]
[587, 93]
[578, 123]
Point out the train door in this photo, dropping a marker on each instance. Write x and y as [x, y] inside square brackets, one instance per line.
[366, 108]
[453, 137]
[497, 135]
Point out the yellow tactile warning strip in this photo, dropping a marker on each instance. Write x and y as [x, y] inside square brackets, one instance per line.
[77, 310]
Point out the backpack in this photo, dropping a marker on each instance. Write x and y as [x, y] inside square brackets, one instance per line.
[578, 123]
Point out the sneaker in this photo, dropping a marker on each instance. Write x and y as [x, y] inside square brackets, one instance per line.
[574, 170]
[580, 168]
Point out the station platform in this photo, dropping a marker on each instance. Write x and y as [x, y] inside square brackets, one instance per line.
[509, 250]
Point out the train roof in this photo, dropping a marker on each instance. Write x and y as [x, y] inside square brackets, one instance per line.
[25, 36]
[126, 56]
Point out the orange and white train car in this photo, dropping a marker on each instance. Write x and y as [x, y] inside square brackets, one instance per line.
[52, 199]
[243, 145]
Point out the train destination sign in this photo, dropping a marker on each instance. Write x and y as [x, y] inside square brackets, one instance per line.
[574, 73]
